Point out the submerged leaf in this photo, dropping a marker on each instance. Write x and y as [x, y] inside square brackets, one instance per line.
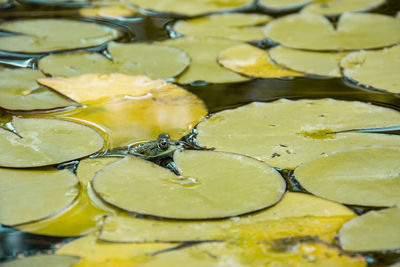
[140, 186]
[20, 92]
[188, 8]
[237, 26]
[45, 35]
[377, 69]
[153, 60]
[305, 130]
[252, 61]
[373, 231]
[43, 261]
[45, 141]
[45, 192]
[315, 63]
[204, 66]
[353, 31]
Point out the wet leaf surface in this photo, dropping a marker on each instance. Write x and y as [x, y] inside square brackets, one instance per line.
[43, 261]
[253, 62]
[353, 31]
[107, 9]
[45, 193]
[20, 92]
[374, 69]
[375, 230]
[38, 142]
[54, 35]
[140, 186]
[152, 60]
[304, 131]
[237, 26]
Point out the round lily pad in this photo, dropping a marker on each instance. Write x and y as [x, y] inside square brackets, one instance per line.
[204, 66]
[48, 35]
[187, 8]
[44, 193]
[211, 185]
[367, 176]
[282, 5]
[252, 61]
[373, 231]
[237, 26]
[353, 31]
[315, 63]
[155, 61]
[41, 142]
[43, 260]
[107, 9]
[20, 92]
[374, 69]
[303, 131]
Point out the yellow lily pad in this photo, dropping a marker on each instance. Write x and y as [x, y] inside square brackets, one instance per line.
[315, 63]
[103, 254]
[373, 231]
[44, 141]
[315, 32]
[87, 168]
[252, 61]
[282, 5]
[374, 69]
[237, 26]
[295, 212]
[45, 193]
[107, 9]
[20, 92]
[188, 8]
[305, 130]
[45, 35]
[42, 261]
[367, 176]
[155, 61]
[140, 186]
[204, 66]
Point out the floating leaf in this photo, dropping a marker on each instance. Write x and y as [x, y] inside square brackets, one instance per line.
[125, 228]
[45, 193]
[367, 176]
[373, 231]
[153, 60]
[43, 261]
[45, 35]
[305, 130]
[316, 63]
[20, 92]
[140, 186]
[100, 254]
[377, 69]
[44, 141]
[141, 117]
[353, 31]
[237, 26]
[188, 8]
[252, 61]
[87, 168]
[107, 9]
[282, 5]
[204, 66]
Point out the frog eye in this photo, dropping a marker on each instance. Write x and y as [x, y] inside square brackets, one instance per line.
[163, 144]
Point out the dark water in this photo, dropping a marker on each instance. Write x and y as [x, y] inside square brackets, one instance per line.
[216, 96]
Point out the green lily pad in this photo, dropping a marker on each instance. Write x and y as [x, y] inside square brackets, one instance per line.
[366, 176]
[48, 35]
[315, 63]
[282, 5]
[353, 31]
[155, 61]
[43, 261]
[237, 26]
[374, 69]
[305, 130]
[373, 231]
[188, 8]
[44, 193]
[42, 142]
[204, 66]
[211, 185]
[20, 92]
